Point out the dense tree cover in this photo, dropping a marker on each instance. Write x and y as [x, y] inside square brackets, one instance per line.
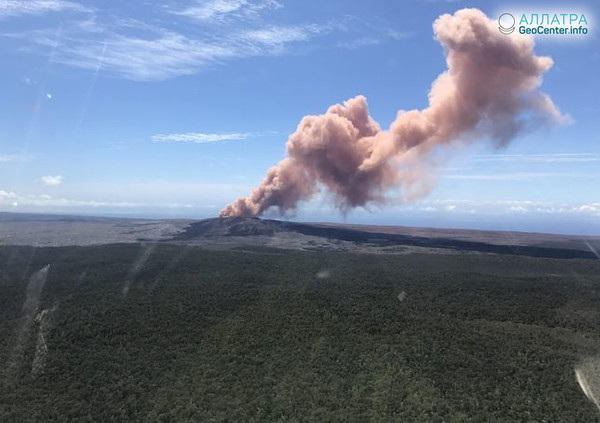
[260, 335]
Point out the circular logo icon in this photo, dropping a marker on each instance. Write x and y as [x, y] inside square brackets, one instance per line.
[506, 23]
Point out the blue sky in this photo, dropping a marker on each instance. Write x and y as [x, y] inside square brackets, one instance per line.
[174, 109]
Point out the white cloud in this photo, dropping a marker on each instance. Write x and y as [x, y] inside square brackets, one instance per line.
[375, 38]
[212, 9]
[44, 200]
[590, 208]
[155, 53]
[279, 35]
[496, 207]
[220, 10]
[517, 176]
[52, 181]
[15, 158]
[539, 158]
[38, 7]
[517, 209]
[399, 35]
[157, 57]
[199, 137]
[6, 195]
[143, 51]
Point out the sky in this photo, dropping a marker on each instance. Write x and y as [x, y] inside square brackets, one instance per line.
[176, 108]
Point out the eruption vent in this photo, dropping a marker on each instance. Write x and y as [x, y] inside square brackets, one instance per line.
[488, 92]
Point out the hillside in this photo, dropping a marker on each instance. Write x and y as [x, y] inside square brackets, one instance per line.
[47, 230]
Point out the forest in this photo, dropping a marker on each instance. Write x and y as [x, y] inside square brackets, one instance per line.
[162, 333]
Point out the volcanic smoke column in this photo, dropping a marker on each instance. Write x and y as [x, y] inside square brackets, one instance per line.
[488, 92]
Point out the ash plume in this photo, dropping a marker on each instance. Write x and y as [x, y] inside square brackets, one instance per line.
[489, 91]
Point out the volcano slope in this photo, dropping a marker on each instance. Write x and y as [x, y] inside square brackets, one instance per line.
[234, 232]
[175, 329]
[387, 239]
